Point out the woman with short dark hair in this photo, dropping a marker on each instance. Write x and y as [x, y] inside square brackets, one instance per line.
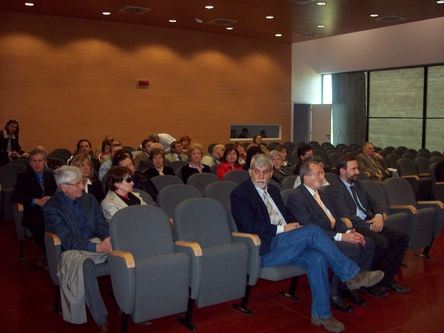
[9, 145]
[157, 158]
[230, 161]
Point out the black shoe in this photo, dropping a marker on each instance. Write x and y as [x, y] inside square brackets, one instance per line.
[375, 291]
[397, 288]
[353, 297]
[339, 304]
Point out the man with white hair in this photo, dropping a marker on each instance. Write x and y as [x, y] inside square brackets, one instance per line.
[76, 217]
[216, 156]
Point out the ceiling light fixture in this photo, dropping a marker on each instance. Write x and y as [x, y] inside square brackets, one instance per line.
[278, 35]
[29, 4]
[440, 2]
[269, 17]
[209, 7]
[321, 3]
[374, 15]
[321, 26]
[172, 21]
[229, 28]
[106, 13]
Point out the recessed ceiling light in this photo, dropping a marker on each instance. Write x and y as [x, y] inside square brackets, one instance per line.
[29, 4]
[374, 15]
[106, 13]
[229, 28]
[209, 7]
[269, 17]
[321, 26]
[321, 3]
[172, 21]
[278, 35]
[440, 2]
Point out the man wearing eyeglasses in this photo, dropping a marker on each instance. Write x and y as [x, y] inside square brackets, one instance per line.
[76, 217]
[371, 163]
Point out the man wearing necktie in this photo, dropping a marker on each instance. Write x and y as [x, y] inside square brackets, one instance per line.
[371, 163]
[33, 188]
[309, 206]
[258, 208]
[355, 203]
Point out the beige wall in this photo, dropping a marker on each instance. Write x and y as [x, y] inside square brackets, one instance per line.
[66, 79]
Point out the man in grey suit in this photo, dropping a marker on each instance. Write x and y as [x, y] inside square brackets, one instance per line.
[176, 153]
[76, 217]
[371, 163]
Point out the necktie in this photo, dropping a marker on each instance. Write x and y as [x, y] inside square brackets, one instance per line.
[42, 185]
[274, 216]
[179, 157]
[355, 197]
[330, 217]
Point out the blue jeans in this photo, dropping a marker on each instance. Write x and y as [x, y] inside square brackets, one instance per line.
[311, 249]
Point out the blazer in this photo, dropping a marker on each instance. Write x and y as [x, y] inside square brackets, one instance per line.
[279, 176]
[28, 187]
[366, 165]
[305, 209]
[251, 214]
[113, 203]
[15, 146]
[61, 220]
[96, 189]
[187, 171]
[345, 205]
[171, 157]
[152, 171]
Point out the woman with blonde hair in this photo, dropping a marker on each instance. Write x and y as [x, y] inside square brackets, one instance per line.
[92, 184]
[194, 153]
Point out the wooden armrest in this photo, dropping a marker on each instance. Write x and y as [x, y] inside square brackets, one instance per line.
[432, 202]
[195, 247]
[254, 238]
[409, 207]
[368, 174]
[384, 216]
[424, 175]
[347, 222]
[439, 183]
[411, 177]
[56, 240]
[128, 257]
[171, 222]
[19, 206]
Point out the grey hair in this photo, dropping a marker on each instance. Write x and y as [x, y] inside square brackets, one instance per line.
[37, 151]
[274, 153]
[67, 174]
[305, 169]
[261, 160]
[314, 158]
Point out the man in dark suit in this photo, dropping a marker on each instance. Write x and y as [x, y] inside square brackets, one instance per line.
[304, 152]
[76, 217]
[355, 203]
[33, 189]
[372, 163]
[309, 206]
[258, 208]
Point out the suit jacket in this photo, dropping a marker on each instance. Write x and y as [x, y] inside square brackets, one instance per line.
[4, 154]
[279, 176]
[345, 205]
[96, 189]
[152, 172]
[305, 209]
[365, 165]
[251, 214]
[171, 157]
[28, 187]
[61, 220]
[113, 203]
[187, 171]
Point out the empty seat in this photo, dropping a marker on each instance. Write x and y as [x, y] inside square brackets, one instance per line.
[422, 166]
[172, 195]
[237, 176]
[201, 180]
[162, 181]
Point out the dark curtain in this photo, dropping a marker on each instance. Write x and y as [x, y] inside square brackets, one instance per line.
[349, 108]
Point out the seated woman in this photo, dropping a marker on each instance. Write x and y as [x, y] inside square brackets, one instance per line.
[194, 153]
[92, 185]
[157, 168]
[284, 153]
[185, 141]
[230, 161]
[106, 149]
[141, 181]
[257, 140]
[313, 158]
[252, 151]
[279, 171]
[242, 153]
[119, 180]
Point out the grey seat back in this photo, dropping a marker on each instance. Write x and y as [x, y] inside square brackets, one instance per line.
[162, 181]
[145, 196]
[237, 176]
[201, 180]
[288, 182]
[422, 165]
[177, 164]
[220, 191]
[172, 195]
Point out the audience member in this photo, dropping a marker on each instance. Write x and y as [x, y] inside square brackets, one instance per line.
[157, 161]
[280, 172]
[304, 152]
[371, 163]
[215, 157]
[84, 148]
[284, 153]
[244, 133]
[92, 184]
[355, 203]
[9, 143]
[318, 160]
[257, 208]
[144, 154]
[105, 150]
[108, 138]
[257, 140]
[164, 139]
[120, 183]
[185, 141]
[195, 152]
[230, 161]
[176, 152]
[115, 146]
[76, 217]
[242, 153]
[439, 172]
[252, 151]
[33, 189]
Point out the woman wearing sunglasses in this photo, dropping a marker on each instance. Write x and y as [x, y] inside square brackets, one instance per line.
[120, 195]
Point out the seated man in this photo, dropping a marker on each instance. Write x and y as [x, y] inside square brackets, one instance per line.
[144, 154]
[176, 153]
[258, 208]
[33, 189]
[304, 152]
[84, 148]
[216, 156]
[371, 163]
[310, 206]
[164, 139]
[76, 217]
[355, 203]
[116, 146]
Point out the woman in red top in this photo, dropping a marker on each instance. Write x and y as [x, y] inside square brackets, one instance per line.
[230, 161]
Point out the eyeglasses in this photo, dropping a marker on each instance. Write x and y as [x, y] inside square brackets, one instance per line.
[77, 184]
[128, 180]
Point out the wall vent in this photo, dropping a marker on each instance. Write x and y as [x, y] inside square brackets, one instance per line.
[301, 2]
[390, 19]
[134, 10]
[307, 34]
[222, 21]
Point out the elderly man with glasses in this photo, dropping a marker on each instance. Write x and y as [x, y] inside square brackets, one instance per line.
[371, 163]
[76, 217]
